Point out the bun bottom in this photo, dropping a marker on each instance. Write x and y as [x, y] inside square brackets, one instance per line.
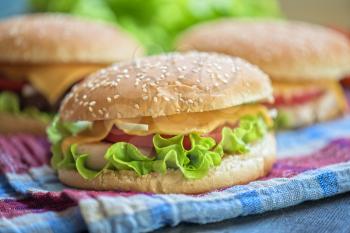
[11, 124]
[323, 109]
[233, 170]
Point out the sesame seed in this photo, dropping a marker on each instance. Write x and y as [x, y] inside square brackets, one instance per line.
[92, 103]
[137, 106]
[166, 98]
[91, 109]
[145, 97]
[115, 96]
[84, 96]
[190, 101]
[109, 99]
[155, 99]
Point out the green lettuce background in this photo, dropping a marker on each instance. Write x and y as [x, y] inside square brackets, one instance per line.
[156, 23]
[9, 103]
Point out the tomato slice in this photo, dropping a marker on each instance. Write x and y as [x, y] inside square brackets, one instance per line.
[186, 142]
[11, 85]
[117, 135]
[296, 99]
[346, 81]
[145, 143]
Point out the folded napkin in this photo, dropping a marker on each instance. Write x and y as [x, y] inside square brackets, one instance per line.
[313, 163]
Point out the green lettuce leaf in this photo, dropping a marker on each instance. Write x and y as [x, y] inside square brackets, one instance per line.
[157, 23]
[194, 163]
[9, 103]
[281, 121]
[56, 132]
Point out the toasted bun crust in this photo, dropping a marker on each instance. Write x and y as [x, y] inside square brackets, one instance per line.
[57, 38]
[165, 85]
[285, 50]
[19, 124]
[234, 169]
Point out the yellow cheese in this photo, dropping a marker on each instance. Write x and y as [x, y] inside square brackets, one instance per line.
[99, 131]
[184, 123]
[200, 122]
[52, 81]
[288, 89]
[340, 95]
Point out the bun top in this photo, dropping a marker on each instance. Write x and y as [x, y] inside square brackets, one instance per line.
[291, 51]
[58, 38]
[165, 85]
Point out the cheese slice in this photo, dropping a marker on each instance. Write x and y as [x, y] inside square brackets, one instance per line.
[200, 122]
[96, 133]
[52, 81]
[288, 89]
[184, 123]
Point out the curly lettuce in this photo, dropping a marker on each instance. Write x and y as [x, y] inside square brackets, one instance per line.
[194, 163]
[9, 103]
[59, 130]
[281, 121]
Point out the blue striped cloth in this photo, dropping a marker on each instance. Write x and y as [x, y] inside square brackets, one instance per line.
[113, 212]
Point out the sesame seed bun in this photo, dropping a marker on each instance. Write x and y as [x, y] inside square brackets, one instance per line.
[233, 170]
[165, 85]
[285, 50]
[58, 38]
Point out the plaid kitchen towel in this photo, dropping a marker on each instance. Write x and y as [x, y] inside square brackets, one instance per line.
[313, 163]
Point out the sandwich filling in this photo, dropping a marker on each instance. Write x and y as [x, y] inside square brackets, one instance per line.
[190, 142]
[36, 91]
[299, 103]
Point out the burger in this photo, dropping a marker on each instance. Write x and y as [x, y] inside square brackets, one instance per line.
[304, 61]
[42, 56]
[346, 80]
[173, 123]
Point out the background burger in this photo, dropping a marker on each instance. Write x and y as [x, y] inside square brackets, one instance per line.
[304, 62]
[346, 80]
[42, 56]
[174, 123]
